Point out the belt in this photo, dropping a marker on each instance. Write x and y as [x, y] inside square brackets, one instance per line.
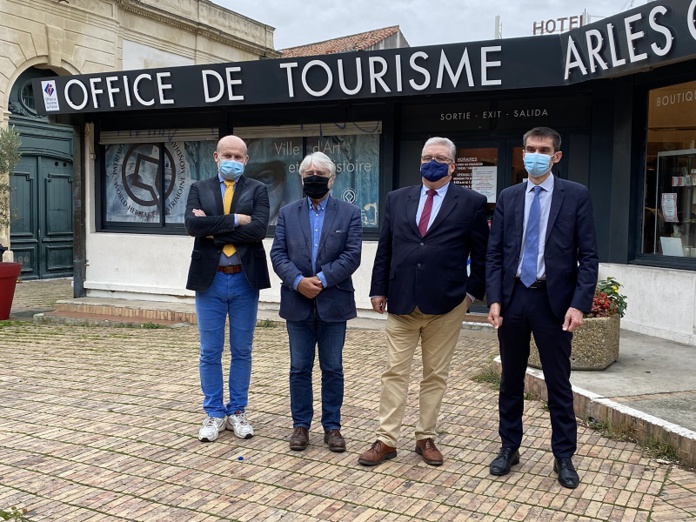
[230, 269]
[538, 284]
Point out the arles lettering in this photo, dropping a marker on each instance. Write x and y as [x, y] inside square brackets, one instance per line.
[601, 48]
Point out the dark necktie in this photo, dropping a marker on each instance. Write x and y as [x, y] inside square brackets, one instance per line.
[427, 210]
[528, 274]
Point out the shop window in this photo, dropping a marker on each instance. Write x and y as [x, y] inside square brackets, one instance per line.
[147, 175]
[669, 217]
[275, 154]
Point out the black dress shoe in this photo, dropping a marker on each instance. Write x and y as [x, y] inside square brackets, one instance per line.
[567, 476]
[504, 461]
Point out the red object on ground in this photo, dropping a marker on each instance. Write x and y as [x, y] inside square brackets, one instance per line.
[9, 272]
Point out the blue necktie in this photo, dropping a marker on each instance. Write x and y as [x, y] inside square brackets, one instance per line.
[528, 274]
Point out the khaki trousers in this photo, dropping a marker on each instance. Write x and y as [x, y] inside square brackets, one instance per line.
[438, 335]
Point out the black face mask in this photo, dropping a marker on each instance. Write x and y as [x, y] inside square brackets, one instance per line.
[316, 187]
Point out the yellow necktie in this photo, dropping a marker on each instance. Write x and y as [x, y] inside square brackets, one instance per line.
[229, 248]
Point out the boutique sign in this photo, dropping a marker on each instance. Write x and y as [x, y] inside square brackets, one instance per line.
[643, 37]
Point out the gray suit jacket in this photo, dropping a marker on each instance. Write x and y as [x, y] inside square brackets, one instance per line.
[338, 257]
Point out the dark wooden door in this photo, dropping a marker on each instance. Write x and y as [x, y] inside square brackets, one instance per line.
[41, 232]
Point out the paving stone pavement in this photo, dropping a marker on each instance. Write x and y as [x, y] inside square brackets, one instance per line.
[99, 424]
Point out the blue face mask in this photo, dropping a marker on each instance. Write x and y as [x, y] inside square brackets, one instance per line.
[434, 171]
[537, 164]
[231, 170]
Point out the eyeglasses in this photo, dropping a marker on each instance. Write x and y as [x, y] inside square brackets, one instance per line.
[315, 173]
[439, 159]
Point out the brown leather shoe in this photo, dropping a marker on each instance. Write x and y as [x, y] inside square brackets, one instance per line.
[431, 455]
[335, 441]
[299, 439]
[378, 453]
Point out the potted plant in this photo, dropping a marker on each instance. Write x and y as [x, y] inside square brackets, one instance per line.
[9, 272]
[596, 343]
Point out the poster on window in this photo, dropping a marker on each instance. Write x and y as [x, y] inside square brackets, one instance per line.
[134, 187]
[276, 162]
[357, 170]
[477, 169]
[669, 207]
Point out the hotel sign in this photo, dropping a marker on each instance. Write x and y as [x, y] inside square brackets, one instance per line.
[656, 33]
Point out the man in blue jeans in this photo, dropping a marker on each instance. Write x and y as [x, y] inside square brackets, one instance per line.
[228, 216]
[316, 249]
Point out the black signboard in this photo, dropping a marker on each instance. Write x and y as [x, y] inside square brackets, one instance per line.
[650, 35]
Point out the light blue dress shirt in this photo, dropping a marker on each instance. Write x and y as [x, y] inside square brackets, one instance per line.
[316, 224]
[545, 196]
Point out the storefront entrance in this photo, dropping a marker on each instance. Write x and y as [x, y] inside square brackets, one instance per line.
[41, 232]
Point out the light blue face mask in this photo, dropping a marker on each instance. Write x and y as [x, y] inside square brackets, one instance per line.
[537, 164]
[231, 170]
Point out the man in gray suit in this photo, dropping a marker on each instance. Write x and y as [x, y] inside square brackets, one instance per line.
[228, 216]
[316, 249]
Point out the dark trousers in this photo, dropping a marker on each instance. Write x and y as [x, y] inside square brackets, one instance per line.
[529, 312]
[327, 338]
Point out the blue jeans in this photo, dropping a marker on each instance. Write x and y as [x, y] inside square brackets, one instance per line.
[330, 337]
[230, 294]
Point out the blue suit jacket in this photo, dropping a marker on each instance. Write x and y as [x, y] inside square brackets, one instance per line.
[430, 272]
[338, 257]
[570, 254]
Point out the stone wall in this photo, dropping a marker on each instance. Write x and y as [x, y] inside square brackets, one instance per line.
[88, 36]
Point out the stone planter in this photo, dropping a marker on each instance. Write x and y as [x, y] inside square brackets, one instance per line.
[595, 345]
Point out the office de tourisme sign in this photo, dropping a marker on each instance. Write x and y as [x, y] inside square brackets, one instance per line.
[651, 35]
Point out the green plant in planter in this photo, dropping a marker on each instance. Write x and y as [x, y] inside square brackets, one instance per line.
[608, 299]
[9, 157]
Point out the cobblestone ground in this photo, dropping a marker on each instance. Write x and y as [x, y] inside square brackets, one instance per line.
[100, 424]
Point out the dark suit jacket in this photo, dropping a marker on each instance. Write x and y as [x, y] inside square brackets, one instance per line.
[338, 256]
[430, 272]
[570, 254]
[251, 198]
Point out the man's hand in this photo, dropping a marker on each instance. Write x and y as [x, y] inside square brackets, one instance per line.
[243, 219]
[573, 320]
[494, 317]
[310, 286]
[379, 303]
[198, 212]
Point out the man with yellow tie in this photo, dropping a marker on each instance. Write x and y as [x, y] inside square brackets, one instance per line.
[228, 216]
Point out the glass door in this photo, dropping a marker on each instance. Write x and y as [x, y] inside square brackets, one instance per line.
[673, 224]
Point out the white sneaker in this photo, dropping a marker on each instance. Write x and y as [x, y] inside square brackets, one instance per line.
[239, 424]
[212, 426]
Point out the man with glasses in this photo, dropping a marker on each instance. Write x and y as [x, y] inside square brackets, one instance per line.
[420, 278]
[541, 275]
[316, 249]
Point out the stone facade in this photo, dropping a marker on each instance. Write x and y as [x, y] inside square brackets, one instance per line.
[87, 36]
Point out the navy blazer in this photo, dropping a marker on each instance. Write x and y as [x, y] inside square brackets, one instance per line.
[570, 253]
[338, 256]
[430, 272]
[216, 229]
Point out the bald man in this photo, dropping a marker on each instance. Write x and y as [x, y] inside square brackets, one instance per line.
[228, 216]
